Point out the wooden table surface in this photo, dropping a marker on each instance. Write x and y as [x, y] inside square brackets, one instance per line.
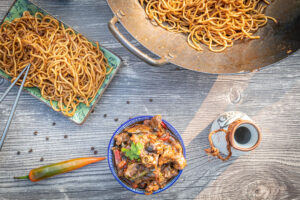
[187, 99]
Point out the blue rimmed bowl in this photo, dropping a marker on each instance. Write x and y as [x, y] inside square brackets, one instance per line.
[110, 157]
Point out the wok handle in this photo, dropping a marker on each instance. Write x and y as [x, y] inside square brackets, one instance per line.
[118, 35]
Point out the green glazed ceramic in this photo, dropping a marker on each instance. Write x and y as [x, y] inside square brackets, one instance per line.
[82, 111]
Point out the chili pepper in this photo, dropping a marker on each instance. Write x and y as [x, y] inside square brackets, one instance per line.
[59, 168]
[117, 156]
[163, 125]
[166, 136]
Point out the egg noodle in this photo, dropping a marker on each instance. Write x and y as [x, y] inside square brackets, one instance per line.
[215, 23]
[65, 66]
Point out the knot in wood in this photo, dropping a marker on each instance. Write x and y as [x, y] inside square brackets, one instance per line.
[235, 96]
[261, 189]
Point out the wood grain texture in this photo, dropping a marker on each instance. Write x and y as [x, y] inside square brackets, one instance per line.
[189, 100]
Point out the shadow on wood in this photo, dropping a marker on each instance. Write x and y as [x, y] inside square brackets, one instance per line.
[201, 169]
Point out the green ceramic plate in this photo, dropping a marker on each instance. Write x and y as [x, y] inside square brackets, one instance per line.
[82, 112]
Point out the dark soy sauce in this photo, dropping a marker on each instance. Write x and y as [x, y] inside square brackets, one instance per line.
[242, 135]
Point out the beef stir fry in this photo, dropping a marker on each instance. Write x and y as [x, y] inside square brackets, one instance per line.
[147, 156]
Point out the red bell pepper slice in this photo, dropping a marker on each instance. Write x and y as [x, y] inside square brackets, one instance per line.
[117, 156]
[163, 125]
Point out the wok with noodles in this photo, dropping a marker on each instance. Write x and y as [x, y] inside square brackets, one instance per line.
[147, 155]
[65, 66]
[214, 23]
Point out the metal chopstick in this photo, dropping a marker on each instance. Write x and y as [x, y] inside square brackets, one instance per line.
[13, 84]
[16, 101]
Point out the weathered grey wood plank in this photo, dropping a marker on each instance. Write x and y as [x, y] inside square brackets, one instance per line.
[189, 100]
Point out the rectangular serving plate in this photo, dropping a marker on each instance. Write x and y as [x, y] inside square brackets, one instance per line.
[82, 111]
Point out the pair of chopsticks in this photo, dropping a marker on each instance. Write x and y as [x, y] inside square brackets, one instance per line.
[26, 70]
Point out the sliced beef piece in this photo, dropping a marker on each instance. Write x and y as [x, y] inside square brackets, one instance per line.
[147, 122]
[167, 155]
[151, 187]
[139, 128]
[131, 171]
[155, 122]
[122, 138]
[179, 162]
[169, 172]
[158, 146]
[172, 155]
[135, 171]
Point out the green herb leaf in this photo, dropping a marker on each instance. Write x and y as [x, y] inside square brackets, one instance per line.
[139, 146]
[134, 152]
